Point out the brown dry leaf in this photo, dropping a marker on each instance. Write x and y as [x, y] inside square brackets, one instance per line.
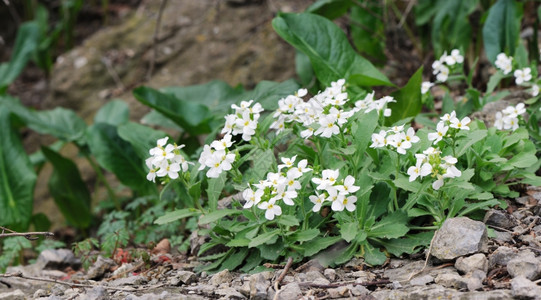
[163, 247]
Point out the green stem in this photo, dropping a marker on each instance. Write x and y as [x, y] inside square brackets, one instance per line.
[101, 178]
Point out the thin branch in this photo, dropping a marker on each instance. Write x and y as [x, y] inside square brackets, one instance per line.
[31, 236]
[155, 40]
[339, 284]
[427, 257]
[281, 277]
[80, 285]
[112, 72]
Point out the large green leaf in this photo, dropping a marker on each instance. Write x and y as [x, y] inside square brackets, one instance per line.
[26, 43]
[191, 116]
[328, 48]
[330, 9]
[502, 28]
[269, 92]
[408, 99]
[115, 112]
[390, 226]
[69, 190]
[450, 26]
[17, 177]
[142, 138]
[176, 215]
[368, 30]
[409, 244]
[118, 156]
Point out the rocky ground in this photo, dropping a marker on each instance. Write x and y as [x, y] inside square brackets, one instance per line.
[467, 261]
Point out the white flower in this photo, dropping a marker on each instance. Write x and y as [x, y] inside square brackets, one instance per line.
[504, 63]
[379, 139]
[287, 162]
[349, 203]
[454, 58]
[522, 75]
[336, 199]
[438, 183]
[437, 136]
[498, 120]
[448, 117]
[510, 122]
[271, 209]
[170, 170]
[245, 126]
[318, 200]
[443, 75]
[515, 111]
[222, 144]
[328, 179]
[460, 124]
[410, 136]
[348, 186]
[419, 170]
[535, 90]
[425, 86]
[252, 198]
[327, 126]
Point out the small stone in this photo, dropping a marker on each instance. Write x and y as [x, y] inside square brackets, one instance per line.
[501, 256]
[40, 293]
[475, 262]
[458, 237]
[422, 280]
[481, 275]
[122, 270]
[474, 284]
[359, 290]
[499, 219]
[132, 280]
[257, 286]
[526, 264]
[229, 293]
[503, 236]
[522, 287]
[99, 268]
[452, 281]
[363, 276]
[58, 259]
[330, 274]
[290, 291]
[316, 277]
[395, 285]
[58, 289]
[338, 292]
[221, 277]
[15, 295]
[186, 277]
[96, 293]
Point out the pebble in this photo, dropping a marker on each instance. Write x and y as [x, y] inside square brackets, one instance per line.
[458, 237]
[475, 262]
[95, 293]
[99, 268]
[330, 274]
[422, 280]
[58, 259]
[186, 277]
[501, 256]
[526, 265]
[290, 291]
[499, 219]
[15, 295]
[523, 288]
[221, 277]
[452, 281]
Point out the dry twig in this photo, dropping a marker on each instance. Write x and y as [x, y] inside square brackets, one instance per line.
[339, 284]
[281, 277]
[31, 236]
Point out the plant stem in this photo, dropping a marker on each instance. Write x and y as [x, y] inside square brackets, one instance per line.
[100, 176]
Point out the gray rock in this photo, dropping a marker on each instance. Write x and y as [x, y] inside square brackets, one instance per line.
[525, 264]
[256, 287]
[501, 256]
[40, 293]
[58, 259]
[458, 237]
[339, 292]
[15, 295]
[403, 273]
[452, 281]
[481, 275]
[290, 291]
[162, 296]
[475, 262]
[316, 277]
[330, 274]
[221, 277]
[523, 288]
[503, 236]
[58, 289]
[439, 292]
[422, 280]
[96, 293]
[132, 280]
[474, 284]
[359, 290]
[186, 277]
[229, 293]
[99, 268]
[363, 276]
[499, 219]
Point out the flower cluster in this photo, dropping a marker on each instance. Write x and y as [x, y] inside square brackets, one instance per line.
[431, 163]
[217, 157]
[166, 160]
[368, 104]
[448, 120]
[504, 63]
[440, 67]
[426, 86]
[244, 120]
[395, 138]
[522, 75]
[334, 191]
[282, 185]
[322, 115]
[508, 118]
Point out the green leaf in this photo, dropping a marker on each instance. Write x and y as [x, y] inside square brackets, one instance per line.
[118, 156]
[303, 68]
[263, 160]
[69, 190]
[271, 252]
[263, 238]
[114, 112]
[450, 26]
[349, 231]
[305, 235]
[314, 246]
[368, 29]
[214, 190]
[328, 48]
[173, 216]
[408, 99]
[363, 135]
[191, 116]
[390, 226]
[238, 242]
[372, 255]
[330, 9]
[17, 177]
[218, 214]
[347, 254]
[141, 138]
[267, 93]
[502, 28]
[410, 244]
[471, 138]
[287, 220]
[235, 259]
[27, 41]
